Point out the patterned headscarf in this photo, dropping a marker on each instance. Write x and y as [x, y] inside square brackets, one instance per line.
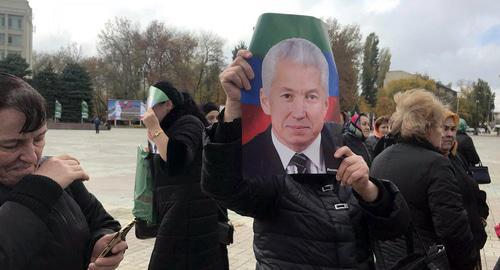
[354, 126]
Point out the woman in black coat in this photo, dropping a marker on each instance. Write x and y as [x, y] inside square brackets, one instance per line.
[355, 136]
[426, 179]
[465, 145]
[474, 199]
[188, 234]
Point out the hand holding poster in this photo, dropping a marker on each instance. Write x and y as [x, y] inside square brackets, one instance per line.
[293, 95]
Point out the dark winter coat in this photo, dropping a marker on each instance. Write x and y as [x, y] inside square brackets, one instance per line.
[370, 143]
[357, 145]
[383, 144]
[426, 180]
[474, 200]
[44, 227]
[187, 237]
[467, 150]
[300, 221]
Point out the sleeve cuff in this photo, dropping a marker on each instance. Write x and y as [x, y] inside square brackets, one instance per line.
[382, 204]
[225, 132]
[38, 193]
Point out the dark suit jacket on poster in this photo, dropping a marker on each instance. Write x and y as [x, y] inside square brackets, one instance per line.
[261, 158]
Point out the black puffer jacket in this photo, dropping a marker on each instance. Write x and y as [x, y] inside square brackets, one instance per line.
[187, 237]
[43, 227]
[426, 180]
[299, 221]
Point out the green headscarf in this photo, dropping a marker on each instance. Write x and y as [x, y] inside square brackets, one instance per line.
[462, 126]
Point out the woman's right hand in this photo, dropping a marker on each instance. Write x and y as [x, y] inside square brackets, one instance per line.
[63, 170]
[235, 77]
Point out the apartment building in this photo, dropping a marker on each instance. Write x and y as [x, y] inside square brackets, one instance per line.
[16, 29]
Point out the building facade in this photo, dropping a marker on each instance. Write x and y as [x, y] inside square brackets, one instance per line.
[16, 29]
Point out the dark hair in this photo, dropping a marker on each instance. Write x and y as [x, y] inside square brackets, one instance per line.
[19, 95]
[208, 107]
[183, 105]
[381, 120]
[172, 93]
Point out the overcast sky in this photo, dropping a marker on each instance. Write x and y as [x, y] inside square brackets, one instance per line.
[449, 40]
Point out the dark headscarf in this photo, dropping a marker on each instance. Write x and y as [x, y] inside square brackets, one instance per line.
[183, 105]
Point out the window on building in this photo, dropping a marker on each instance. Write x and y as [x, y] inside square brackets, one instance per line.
[15, 40]
[2, 39]
[2, 21]
[2, 54]
[15, 22]
[14, 53]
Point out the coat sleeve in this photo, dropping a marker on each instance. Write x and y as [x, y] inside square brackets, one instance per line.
[449, 216]
[222, 174]
[388, 216]
[99, 221]
[185, 142]
[23, 229]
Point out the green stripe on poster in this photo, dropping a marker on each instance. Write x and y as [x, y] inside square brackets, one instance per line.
[271, 28]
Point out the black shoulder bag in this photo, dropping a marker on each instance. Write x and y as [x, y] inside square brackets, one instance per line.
[434, 257]
[480, 173]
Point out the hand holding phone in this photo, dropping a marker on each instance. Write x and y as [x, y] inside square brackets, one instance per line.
[119, 236]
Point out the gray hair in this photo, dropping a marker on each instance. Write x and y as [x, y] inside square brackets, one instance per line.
[297, 50]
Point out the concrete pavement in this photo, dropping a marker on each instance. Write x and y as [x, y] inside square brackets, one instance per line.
[109, 159]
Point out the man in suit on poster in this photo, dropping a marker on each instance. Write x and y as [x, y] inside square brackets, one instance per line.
[294, 94]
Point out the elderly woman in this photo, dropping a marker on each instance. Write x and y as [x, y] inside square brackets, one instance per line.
[474, 199]
[426, 179]
[357, 130]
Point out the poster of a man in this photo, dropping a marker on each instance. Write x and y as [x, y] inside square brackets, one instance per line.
[294, 94]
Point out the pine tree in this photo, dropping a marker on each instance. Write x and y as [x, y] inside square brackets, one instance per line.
[48, 83]
[15, 65]
[76, 87]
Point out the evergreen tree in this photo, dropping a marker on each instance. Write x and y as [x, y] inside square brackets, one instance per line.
[241, 46]
[384, 66]
[76, 87]
[484, 99]
[370, 70]
[15, 65]
[48, 83]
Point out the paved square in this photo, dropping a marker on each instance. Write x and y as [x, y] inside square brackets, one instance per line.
[109, 159]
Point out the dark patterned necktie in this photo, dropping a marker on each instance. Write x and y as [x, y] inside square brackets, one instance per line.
[299, 161]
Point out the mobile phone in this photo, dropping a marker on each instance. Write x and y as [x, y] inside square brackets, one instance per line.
[119, 236]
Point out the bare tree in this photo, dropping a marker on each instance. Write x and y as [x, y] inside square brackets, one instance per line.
[117, 46]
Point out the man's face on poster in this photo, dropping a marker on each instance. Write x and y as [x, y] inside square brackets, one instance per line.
[297, 103]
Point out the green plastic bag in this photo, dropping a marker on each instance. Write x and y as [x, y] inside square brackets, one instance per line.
[144, 186]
